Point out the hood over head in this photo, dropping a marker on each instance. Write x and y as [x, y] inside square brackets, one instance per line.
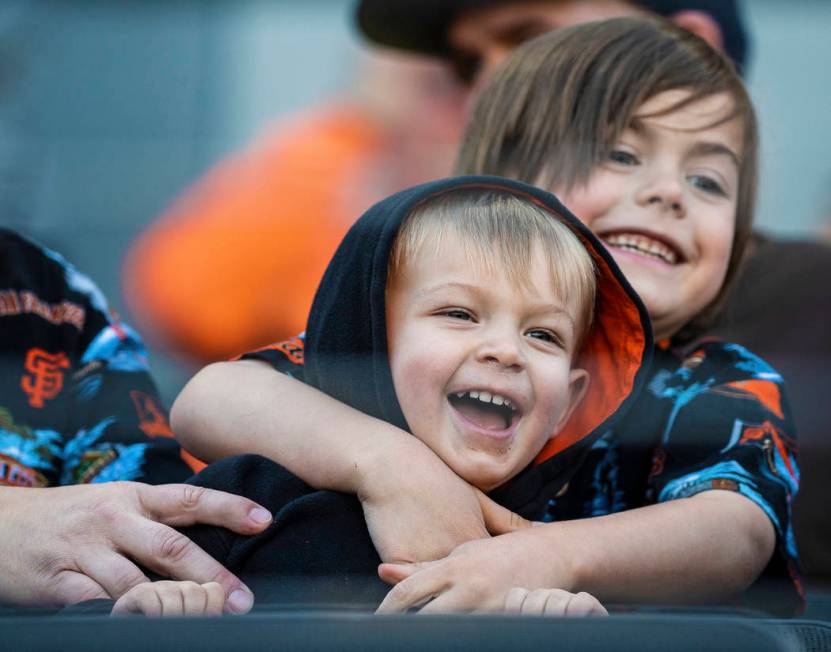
[422, 25]
[346, 353]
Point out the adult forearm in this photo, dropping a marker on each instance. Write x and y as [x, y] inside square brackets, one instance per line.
[707, 547]
[326, 443]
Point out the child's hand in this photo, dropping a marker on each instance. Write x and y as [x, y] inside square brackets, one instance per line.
[552, 602]
[169, 598]
[417, 509]
[476, 576]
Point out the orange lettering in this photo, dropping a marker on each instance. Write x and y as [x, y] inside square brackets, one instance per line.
[152, 421]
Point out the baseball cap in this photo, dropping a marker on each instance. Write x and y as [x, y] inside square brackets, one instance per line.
[422, 25]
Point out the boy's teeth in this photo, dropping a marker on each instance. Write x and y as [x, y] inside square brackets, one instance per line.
[487, 397]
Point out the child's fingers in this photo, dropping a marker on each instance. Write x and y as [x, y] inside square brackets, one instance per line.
[395, 573]
[194, 598]
[498, 519]
[215, 598]
[141, 599]
[552, 602]
[171, 598]
[585, 604]
[515, 599]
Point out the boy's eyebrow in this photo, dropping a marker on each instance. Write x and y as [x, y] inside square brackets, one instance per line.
[441, 286]
[707, 148]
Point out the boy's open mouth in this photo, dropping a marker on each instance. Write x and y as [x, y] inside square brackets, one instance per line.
[487, 410]
[646, 245]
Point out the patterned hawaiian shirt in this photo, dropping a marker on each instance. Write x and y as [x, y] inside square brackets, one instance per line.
[77, 403]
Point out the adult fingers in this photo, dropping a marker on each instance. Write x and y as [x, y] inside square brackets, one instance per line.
[171, 554]
[110, 570]
[498, 519]
[179, 505]
[69, 587]
[411, 593]
[585, 604]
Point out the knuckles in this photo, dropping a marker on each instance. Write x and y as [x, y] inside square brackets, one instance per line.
[169, 546]
[192, 496]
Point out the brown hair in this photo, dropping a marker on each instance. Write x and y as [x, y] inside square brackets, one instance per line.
[558, 105]
[498, 231]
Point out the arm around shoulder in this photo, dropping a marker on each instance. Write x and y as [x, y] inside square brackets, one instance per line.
[231, 408]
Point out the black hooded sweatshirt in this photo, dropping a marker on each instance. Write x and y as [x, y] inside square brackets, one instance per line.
[318, 548]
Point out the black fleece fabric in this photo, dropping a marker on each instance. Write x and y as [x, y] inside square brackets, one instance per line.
[321, 535]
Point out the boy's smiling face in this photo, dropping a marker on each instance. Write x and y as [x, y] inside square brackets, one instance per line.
[481, 365]
[665, 204]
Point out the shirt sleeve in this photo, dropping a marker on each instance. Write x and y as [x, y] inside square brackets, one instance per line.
[119, 427]
[285, 357]
[729, 427]
[77, 403]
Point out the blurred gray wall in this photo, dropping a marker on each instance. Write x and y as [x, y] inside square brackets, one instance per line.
[109, 108]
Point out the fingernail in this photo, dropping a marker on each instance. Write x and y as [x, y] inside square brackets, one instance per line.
[538, 523]
[259, 515]
[240, 601]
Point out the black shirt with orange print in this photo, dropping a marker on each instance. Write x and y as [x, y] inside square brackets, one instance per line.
[77, 403]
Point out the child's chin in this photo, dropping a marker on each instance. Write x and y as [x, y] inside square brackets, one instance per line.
[485, 477]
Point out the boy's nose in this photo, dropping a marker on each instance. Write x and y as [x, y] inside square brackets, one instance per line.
[503, 351]
[666, 193]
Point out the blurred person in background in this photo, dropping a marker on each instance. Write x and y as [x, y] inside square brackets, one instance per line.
[233, 264]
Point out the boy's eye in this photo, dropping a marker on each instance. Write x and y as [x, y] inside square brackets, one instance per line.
[707, 184]
[622, 157]
[457, 313]
[545, 336]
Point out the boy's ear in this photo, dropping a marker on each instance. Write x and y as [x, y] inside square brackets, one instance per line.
[701, 24]
[578, 384]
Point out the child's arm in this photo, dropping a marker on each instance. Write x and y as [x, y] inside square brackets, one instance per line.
[708, 547]
[416, 507]
[169, 598]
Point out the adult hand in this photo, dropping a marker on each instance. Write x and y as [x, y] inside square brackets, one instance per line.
[417, 509]
[476, 577]
[64, 545]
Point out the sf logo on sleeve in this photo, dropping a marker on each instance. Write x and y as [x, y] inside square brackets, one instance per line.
[44, 378]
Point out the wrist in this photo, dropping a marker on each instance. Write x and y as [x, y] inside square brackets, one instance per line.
[382, 464]
[564, 561]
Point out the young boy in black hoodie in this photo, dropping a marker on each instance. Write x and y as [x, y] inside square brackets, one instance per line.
[482, 317]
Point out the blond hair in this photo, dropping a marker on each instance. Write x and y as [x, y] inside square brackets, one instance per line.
[498, 232]
[556, 108]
